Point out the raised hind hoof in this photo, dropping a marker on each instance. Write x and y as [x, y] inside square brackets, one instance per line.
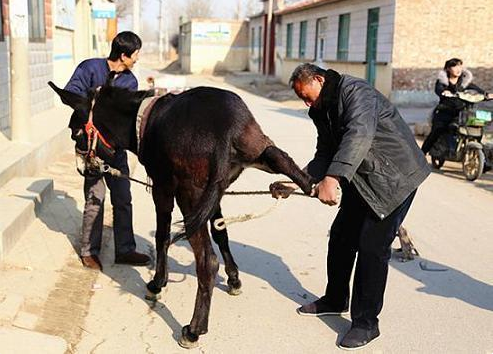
[188, 340]
[234, 291]
[234, 287]
[150, 296]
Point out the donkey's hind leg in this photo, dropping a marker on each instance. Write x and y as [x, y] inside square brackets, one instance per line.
[220, 237]
[275, 160]
[163, 200]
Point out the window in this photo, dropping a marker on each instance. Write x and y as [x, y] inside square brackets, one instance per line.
[321, 32]
[36, 10]
[252, 41]
[371, 44]
[302, 48]
[1, 21]
[289, 40]
[343, 37]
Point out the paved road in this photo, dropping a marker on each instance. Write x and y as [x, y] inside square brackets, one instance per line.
[282, 263]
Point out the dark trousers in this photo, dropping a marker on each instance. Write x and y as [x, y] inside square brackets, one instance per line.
[121, 199]
[357, 229]
[440, 125]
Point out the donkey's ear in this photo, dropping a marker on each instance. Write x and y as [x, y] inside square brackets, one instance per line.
[111, 78]
[70, 99]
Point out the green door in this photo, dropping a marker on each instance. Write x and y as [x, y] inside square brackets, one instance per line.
[371, 45]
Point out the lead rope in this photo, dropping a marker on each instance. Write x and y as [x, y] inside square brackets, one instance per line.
[221, 223]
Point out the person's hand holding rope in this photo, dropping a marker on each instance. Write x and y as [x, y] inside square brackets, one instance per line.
[328, 190]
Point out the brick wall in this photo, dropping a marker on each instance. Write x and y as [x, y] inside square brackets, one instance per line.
[48, 19]
[428, 32]
[4, 72]
[5, 11]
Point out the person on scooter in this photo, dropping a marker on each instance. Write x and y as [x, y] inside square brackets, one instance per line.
[451, 80]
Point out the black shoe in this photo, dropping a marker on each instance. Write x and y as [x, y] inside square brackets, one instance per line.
[320, 308]
[358, 338]
[133, 258]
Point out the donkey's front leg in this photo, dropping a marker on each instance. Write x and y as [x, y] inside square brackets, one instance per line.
[207, 267]
[220, 237]
[277, 161]
[164, 206]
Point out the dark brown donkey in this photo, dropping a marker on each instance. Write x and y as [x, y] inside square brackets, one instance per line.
[193, 147]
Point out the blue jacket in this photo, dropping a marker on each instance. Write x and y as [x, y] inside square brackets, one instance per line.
[92, 73]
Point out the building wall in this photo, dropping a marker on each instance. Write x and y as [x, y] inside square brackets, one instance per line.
[254, 56]
[210, 53]
[357, 39]
[185, 46]
[428, 32]
[4, 87]
[41, 66]
[4, 73]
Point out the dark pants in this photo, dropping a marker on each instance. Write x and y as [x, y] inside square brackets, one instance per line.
[357, 229]
[121, 199]
[440, 125]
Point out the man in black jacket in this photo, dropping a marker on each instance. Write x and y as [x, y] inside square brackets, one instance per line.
[365, 148]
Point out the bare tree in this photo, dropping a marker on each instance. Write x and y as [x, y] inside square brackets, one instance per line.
[123, 7]
[199, 8]
[251, 7]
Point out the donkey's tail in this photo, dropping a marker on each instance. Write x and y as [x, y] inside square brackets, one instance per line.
[214, 190]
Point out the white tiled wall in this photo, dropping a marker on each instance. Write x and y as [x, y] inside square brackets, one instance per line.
[357, 33]
[41, 71]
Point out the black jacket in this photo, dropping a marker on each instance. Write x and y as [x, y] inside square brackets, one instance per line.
[363, 139]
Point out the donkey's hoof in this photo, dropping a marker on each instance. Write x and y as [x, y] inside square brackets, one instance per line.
[234, 287]
[150, 296]
[234, 291]
[188, 340]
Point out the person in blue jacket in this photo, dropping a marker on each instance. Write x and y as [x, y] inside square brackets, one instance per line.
[88, 75]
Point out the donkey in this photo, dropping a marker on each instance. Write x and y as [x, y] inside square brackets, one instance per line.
[193, 146]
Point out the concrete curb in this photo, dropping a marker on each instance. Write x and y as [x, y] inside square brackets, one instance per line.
[21, 200]
[15, 340]
[25, 159]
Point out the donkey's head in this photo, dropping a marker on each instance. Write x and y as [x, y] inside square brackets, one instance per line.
[104, 120]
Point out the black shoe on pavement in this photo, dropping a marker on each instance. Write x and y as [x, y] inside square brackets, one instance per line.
[358, 338]
[133, 258]
[320, 308]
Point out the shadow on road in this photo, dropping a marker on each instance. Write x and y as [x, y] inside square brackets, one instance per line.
[251, 260]
[484, 182]
[442, 280]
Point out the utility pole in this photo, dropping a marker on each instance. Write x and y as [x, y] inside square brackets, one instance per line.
[19, 71]
[136, 16]
[163, 31]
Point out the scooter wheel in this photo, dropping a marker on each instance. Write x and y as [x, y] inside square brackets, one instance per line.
[473, 164]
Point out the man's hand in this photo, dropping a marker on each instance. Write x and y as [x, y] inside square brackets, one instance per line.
[281, 189]
[447, 93]
[327, 190]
